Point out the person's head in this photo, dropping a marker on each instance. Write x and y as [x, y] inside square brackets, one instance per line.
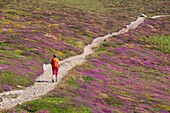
[54, 55]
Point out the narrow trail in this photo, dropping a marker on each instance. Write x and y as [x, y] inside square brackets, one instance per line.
[43, 83]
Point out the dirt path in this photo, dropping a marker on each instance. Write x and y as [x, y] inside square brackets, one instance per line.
[43, 83]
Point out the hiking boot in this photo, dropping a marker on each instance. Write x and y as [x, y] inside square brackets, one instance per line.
[52, 80]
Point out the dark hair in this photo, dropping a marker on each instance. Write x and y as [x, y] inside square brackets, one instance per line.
[54, 56]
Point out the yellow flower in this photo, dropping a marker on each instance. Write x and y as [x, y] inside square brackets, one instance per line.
[29, 23]
[18, 51]
[49, 25]
[59, 53]
[7, 22]
[9, 30]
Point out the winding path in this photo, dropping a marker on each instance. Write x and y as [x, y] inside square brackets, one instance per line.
[43, 83]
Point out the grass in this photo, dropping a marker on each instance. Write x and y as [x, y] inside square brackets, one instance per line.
[85, 6]
[8, 78]
[49, 103]
[72, 24]
[71, 80]
[161, 43]
[113, 101]
[117, 73]
[3, 62]
[53, 105]
[129, 86]
[88, 78]
[165, 107]
[10, 54]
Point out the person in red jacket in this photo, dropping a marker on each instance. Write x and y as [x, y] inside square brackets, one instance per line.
[55, 66]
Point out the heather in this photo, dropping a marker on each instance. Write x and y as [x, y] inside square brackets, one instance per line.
[31, 31]
[127, 73]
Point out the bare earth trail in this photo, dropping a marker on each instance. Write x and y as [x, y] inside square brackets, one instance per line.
[43, 83]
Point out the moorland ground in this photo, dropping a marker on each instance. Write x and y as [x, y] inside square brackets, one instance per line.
[128, 73]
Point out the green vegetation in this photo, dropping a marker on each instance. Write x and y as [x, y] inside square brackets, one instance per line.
[165, 107]
[85, 5]
[11, 78]
[113, 101]
[32, 30]
[88, 78]
[72, 80]
[10, 54]
[161, 43]
[53, 105]
[3, 62]
[117, 73]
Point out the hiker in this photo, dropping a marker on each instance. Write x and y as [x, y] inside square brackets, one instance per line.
[55, 66]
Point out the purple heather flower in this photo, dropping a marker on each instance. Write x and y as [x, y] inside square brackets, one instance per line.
[95, 103]
[7, 88]
[106, 110]
[84, 86]
[164, 111]
[1, 17]
[92, 95]
[3, 67]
